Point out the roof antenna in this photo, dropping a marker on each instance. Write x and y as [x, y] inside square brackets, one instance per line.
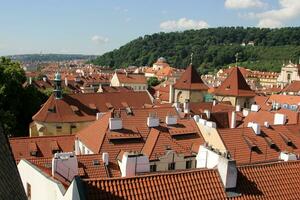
[191, 58]
[236, 59]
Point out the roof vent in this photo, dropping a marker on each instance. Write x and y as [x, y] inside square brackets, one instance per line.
[287, 140]
[266, 124]
[105, 158]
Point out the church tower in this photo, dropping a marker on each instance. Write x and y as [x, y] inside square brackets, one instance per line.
[57, 86]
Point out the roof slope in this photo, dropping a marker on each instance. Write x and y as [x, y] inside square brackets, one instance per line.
[10, 182]
[132, 78]
[293, 87]
[83, 107]
[234, 85]
[267, 181]
[190, 80]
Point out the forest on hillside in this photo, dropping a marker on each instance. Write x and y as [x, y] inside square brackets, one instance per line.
[212, 48]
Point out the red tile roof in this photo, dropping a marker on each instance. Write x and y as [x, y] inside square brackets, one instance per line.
[293, 87]
[21, 146]
[99, 138]
[237, 143]
[234, 85]
[60, 110]
[190, 80]
[132, 78]
[282, 99]
[265, 181]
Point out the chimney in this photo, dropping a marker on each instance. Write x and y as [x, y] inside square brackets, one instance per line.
[255, 127]
[105, 158]
[177, 106]
[238, 108]
[245, 112]
[133, 163]
[66, 81]
[207, 113]
[279, 119]
[171, 120]
[30, 80]
[214, 102]
[211, 124]
[99, 115]
[228, 172]
[186, 106]
[65, 164]
[266, 124]
[115, 123]
[152, 120]
[255, 108]
[171, 94]
[100, 89]
[44, 78]
[196, 118]
[233, 120]
[285, 156]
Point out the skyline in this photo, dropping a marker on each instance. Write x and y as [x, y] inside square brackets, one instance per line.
[95, 27]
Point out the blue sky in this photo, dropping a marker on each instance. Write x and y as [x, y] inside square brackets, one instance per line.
[97, 26]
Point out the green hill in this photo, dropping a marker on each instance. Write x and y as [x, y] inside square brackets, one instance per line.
[213, 48]
[49, 57]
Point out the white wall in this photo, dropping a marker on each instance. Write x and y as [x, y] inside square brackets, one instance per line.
[44, 186]
[83, 148]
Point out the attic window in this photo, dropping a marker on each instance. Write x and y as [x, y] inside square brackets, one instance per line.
[33, 149]
[54, 147]
[74, 108]
[52, 109]
[252, 146]
[96, 162]
[92, 106]
[270, 143]
[228, 87]
[109, 106]
[286, 139]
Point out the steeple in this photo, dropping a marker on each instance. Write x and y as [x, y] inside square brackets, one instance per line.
[57, 86]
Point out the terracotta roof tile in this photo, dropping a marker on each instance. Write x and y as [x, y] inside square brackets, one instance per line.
[132, 78]
[44, 145]
[238, 146]
[59, 110]
[234, 85]
[293, 87]
[190, 80]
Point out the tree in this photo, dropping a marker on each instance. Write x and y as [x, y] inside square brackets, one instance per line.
[17, 104]
[153, 81]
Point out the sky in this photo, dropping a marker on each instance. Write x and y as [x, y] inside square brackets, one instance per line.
[97, 26]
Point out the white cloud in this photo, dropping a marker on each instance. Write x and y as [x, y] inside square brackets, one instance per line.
[288, 9]
[183, 24]
[244, 4]
[99, 39]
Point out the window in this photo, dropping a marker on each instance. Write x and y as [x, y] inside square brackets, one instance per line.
[188, 164]
[58, 128]
[171, 166]
[28, 187]
[153, 168]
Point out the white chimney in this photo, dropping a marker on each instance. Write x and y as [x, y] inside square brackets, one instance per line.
[30, 80]
[132, 163]
[255, 127]
[171, 120]
[255, 108]
[171, 94]
[202, 121]
[238, 108]
[66, 81]
[287, 156]
[279, 119]
[105, 158]
[245, 112]
[214, 102]
[228, 172]
[266, 124]
[100, 89]
[152, 121]
[99, 115]
[65, 164]
[207, 112]
[44, 78]
[186, 106]
[233, 120]
[115, 124]
[196, 118]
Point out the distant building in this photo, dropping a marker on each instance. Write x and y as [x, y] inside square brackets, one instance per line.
[289, 73]
[188, 87]
[235, 89]
[137, 82]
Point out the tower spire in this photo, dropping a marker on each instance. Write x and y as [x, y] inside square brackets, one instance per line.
[57, 86]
